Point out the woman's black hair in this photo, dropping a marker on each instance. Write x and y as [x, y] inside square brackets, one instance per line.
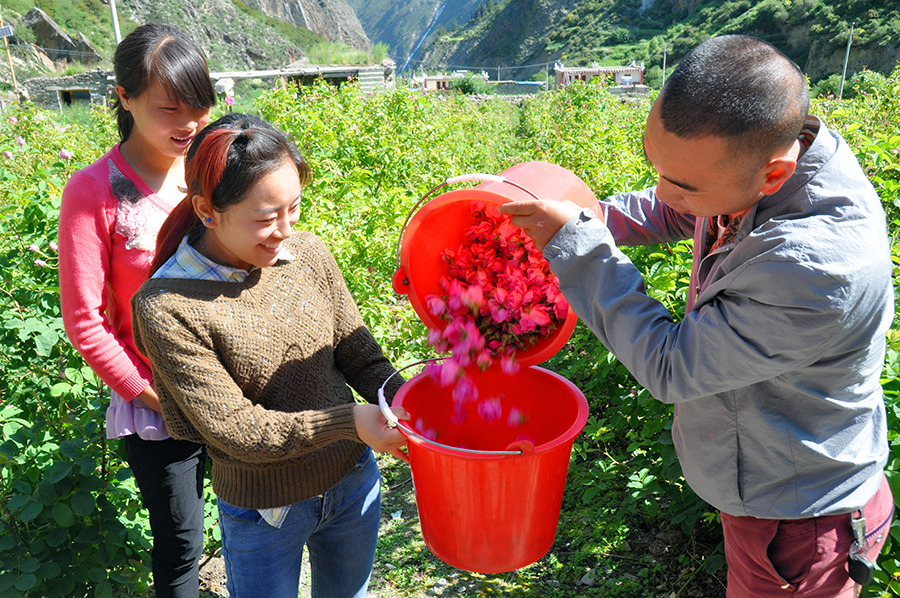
[161, 53]
[224, 162]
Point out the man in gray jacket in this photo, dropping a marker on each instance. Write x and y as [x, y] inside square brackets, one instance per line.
[774, 370]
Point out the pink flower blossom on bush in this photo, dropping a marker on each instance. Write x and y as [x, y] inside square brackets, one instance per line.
[229, 100]
[53, 246]
[34, 247]
[40, 263]
[20, 142]
[8, 155]
[66, 154]
[13, 120]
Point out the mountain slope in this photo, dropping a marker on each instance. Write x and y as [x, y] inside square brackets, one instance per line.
[401, 23]
[814, 34]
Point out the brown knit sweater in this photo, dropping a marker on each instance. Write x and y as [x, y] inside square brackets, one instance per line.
[258, 371]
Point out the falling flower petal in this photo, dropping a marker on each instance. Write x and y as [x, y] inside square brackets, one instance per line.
[508, 365]
[516, 418]
[490, 409]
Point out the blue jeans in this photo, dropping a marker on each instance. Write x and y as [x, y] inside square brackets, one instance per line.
[339, 528]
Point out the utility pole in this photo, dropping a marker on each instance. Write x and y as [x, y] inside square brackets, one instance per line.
[846, 59]
[664, 67]
[12, 73]
[115, 21]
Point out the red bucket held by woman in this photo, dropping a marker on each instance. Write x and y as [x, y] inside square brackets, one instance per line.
[489, 496]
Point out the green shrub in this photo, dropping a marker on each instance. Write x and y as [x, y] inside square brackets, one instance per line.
[70, 520]
[472, 85]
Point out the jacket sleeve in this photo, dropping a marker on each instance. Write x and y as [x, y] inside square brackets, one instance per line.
[729, 342]
[639, 218]
[86, 226]
[203, 403]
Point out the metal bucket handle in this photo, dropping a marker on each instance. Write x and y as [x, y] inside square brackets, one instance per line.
[457, 179]
[523, 447]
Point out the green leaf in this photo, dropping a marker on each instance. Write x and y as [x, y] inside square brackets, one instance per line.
[59, 389]
[29, 565]
[62, 514]
[83, 504]
[97, 574]
[44, 342]
[71, 450]
[58, 471]
[17, 502]
[21, 487]
[25, 582]
[49, 570]
[31, 510]
[104, 590]
[56, 536]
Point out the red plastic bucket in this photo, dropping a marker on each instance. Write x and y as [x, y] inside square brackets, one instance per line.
[484, 512]
[489, 494]
[441, 222]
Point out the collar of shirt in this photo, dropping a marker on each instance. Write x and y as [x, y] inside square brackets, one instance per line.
[187, 262]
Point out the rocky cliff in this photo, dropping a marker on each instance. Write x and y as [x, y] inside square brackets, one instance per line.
[332, 19]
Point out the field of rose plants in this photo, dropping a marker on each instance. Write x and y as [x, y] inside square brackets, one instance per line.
[70, 522]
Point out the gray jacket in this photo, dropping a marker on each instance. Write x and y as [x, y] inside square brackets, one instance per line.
[774, 370]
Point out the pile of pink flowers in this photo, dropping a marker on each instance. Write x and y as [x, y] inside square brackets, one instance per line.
[499, 298]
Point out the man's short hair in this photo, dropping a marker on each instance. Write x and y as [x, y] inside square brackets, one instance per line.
[740, 88]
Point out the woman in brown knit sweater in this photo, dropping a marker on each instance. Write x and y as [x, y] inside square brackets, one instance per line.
[256, 342]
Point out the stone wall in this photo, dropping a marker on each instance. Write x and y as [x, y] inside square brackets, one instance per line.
[94, 86]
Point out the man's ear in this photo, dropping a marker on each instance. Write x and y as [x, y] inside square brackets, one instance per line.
[204, 210]
[777, 172]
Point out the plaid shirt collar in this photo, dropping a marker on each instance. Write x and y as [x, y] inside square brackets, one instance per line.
[190, 263]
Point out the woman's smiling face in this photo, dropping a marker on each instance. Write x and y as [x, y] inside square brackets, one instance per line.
[251, 233]
[162, 125]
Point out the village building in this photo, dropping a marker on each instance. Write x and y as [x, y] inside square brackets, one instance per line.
[96, 86]
[623, 79]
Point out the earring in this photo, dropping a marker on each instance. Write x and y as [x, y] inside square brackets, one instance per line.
[208, 220]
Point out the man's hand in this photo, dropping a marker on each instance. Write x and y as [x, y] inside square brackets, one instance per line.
[540, 219]
[373, 429]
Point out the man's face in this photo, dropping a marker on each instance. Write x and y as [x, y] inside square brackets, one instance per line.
[699, 176]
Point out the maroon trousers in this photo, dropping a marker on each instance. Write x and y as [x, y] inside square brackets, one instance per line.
[800, 557]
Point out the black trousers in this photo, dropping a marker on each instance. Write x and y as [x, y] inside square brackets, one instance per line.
[169, 474]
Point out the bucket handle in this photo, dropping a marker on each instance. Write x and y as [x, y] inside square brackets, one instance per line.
[475, 176]
[523, 447]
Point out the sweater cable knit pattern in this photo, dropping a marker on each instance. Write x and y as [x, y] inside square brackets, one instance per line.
[261, 372]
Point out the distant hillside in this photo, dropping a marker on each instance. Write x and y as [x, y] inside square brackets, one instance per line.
[235, 35]
[814, 34]
[401, 24]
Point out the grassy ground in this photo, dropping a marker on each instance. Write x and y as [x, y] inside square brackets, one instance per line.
[597, 552]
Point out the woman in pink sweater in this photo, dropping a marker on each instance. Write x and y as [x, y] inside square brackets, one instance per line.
[110, 216]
